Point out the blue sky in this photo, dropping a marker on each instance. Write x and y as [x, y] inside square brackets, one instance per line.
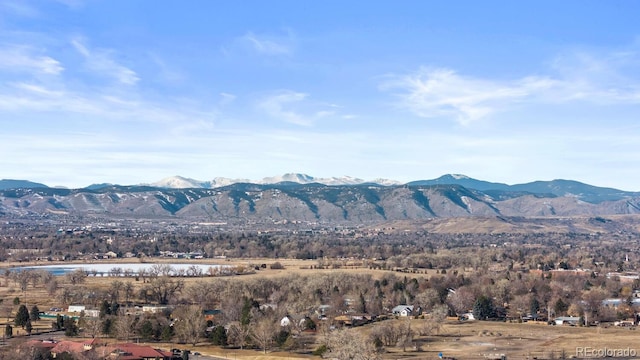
[134, 91]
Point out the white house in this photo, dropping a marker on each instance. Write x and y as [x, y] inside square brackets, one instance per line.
[76, 308]
[285, 321]
[467, 316]
[154, 309]
[92, 313]
[567, 320]
[403, 310]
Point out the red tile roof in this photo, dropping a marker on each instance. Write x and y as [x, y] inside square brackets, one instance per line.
[71, 347]
[135, 352]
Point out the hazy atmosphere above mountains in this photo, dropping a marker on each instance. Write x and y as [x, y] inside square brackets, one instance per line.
[130, 92]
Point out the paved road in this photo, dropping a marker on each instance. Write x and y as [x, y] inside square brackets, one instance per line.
[46, 336]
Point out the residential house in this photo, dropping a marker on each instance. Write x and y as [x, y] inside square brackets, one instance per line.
[76, 308]
[154, 309]
[285, 321]
[402, 310]
[467, 316]
[129, 351]
[211, 314]
[567, 320]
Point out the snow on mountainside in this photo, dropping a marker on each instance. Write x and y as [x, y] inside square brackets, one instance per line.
[385, 182]
[222, 181]
[179, 182]
[290, 177]
[459, 176]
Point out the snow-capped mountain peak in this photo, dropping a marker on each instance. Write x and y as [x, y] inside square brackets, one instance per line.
[179, 182]
[290, 177]
[460, 176]
[386, 182]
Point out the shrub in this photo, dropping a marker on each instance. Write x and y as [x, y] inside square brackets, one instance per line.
[276, 266]
[320, 350]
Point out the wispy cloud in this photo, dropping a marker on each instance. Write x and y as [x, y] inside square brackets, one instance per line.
[166, 73]
[26, 59]
[294, 107]
[434, 93]
[102, 63]
[226, 98]
[29, 98]
[268, 45]
[20, 8]
[444, 93]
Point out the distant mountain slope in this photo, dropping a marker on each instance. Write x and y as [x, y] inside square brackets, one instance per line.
[99, 186]
[313, 202]
[462, 180]
[16, 184]
[584, 192]
[179, 182]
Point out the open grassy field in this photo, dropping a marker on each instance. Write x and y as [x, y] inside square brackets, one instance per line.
[477, 340]
[461, 340]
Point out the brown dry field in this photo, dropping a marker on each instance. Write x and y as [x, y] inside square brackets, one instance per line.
[480, 340]
[461, 340]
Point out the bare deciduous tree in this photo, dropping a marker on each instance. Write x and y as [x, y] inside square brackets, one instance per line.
[263, 332]
[190, 324]
[462, 300]
[76, 277]
[348, 345]
[124, 326]
[238, 334]
[162, 289]
[92, 326]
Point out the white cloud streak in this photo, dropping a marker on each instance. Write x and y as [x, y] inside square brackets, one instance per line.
[444, 93]
[101, 62]
[433, 93]
[265, 45]
[294, 107]
[25, 59]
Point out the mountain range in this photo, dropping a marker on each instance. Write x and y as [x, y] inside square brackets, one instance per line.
[304, 198]
[179, 182]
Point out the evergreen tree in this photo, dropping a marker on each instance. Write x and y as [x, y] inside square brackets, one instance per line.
[71, 329]
[35, 313]
[560, 307]
[245, 316]
[282, 337]
[59, 325]
[105, 309]
[534, 308]
[363, 304]
[28, 326]
[22, 316]
[218, 336]
[146, 330]
[483, 308]
[167, 333]
[107, 325]
[309, 323]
